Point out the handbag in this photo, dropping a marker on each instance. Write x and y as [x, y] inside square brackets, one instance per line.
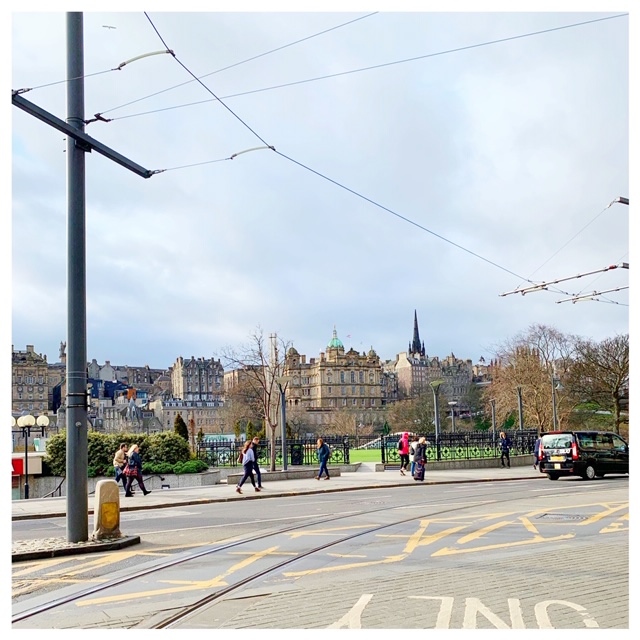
[130, 471]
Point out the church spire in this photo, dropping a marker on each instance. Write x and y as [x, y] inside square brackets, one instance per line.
[416, 345]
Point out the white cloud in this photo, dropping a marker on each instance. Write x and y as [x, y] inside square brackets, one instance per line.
[507, 150]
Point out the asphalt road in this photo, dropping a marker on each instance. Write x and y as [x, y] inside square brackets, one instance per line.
[526, 554]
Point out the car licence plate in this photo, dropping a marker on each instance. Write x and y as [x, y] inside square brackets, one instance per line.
[557, 466]
[557, 458]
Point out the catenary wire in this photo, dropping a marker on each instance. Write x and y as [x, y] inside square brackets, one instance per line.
[236, 64]
[231, 66]
[495, 264]
[205, 86]
[370, 68]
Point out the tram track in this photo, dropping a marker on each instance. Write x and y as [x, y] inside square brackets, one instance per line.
[189, 610]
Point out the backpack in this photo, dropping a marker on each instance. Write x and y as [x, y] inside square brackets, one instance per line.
[399, 444]
[240, 457]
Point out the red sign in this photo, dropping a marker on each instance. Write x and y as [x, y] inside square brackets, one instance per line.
[17, 466]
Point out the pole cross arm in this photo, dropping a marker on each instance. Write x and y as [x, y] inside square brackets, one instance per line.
[86, 142]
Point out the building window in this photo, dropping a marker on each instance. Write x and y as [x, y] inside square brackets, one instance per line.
[373, 402]
[354, 402]
[353, 391]
[329, 379]
[361, 377]
[329, 390]
[353, 376]
[361, 391]
[344, 402]
[342, 376]
[343, 390]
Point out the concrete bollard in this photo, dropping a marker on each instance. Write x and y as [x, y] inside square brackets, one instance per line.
[106, 512]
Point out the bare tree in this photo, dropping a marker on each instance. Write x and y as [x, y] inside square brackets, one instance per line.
[534, 362]
[600, 375]
[261, 364]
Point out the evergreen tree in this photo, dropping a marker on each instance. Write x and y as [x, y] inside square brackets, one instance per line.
[180, 427]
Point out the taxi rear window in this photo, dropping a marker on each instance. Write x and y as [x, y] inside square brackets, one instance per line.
[557, 441]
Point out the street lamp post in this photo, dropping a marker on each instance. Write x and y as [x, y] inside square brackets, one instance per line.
[554, 382]
[493, 418]
[26, 423]
[452, 404]
[520, 418]
[283, 417]
[435, 386]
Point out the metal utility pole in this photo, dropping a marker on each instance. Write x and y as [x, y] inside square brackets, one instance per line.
[77, 517]
[78, 144]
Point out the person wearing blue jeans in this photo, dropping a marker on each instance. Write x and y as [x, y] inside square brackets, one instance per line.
[324, 453]
[412, 451]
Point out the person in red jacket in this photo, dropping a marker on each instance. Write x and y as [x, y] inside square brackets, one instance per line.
[403, 450]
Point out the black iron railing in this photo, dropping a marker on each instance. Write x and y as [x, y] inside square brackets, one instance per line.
[468, 445]
[299, 452]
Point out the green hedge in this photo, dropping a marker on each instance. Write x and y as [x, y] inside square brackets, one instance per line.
[164, 452]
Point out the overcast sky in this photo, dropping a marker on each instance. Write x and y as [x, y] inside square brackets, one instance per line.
[423, 161]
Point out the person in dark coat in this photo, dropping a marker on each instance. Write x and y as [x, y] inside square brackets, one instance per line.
[536, 452]
[134, 471]
[420, 458]
[323, 453]
[505, 449]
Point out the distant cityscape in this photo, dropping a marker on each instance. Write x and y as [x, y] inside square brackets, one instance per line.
[139, 398]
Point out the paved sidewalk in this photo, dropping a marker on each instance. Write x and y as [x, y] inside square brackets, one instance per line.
[364, 478]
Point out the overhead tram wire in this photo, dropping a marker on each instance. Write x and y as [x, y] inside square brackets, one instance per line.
[90, 75]
[359, 195]
[236, 64]
[207, 88]
[370, 68]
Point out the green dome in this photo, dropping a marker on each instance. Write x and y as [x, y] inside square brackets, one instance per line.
[335, 341]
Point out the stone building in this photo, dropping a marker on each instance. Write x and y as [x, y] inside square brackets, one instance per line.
[336, 380]
[416, 371]
[197, 380]
[29, 381]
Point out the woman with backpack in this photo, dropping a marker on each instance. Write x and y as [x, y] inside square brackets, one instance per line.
[403, 450]
[323, 453]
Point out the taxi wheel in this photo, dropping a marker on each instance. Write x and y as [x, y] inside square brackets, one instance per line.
[589, 472]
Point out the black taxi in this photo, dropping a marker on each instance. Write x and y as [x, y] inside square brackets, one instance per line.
[588, 454]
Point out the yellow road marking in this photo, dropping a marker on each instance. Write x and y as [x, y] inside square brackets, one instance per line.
[480, 532]
[448, 551]
[342, 567]
[326, 532]
[192, 585]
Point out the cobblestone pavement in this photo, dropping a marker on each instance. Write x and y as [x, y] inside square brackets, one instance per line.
[474, 595]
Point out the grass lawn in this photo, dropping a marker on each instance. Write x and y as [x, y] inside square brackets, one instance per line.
[365, 455]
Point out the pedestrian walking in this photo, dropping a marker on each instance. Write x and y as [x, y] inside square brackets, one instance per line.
[119, 463]
[248, 459]
[505, 448]
[420, 459]
[412, 451]
[255, 443]
[403, 450]
[323, 454]
[536, 452]
[133, 470]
